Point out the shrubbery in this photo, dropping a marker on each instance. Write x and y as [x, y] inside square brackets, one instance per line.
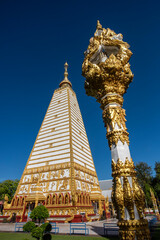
[42, 232]
[40, 212]
[37, 233]
[46, 227]
[29, 226]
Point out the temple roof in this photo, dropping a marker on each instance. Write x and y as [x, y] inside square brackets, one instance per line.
[105, 184]
[65, 80]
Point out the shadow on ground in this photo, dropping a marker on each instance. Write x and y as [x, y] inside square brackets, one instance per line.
[100, 231]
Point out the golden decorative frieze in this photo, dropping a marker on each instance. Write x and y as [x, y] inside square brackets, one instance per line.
[47, 168]
[111, 98]
[123, 169]
[114, 115]
[131, 228]
[117, 135]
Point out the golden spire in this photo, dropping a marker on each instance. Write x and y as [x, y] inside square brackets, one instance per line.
[65, 80]
[99, 26]
[66, 72]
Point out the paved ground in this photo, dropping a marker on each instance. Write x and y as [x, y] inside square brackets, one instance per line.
[95, 228]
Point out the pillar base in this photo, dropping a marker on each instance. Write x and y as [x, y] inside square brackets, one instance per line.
[134, 229]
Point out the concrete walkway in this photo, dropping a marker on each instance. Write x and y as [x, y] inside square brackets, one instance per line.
[95, 228]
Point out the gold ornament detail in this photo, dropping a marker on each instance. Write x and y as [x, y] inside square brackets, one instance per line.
[111, 98]
[117, 135]
[154, 201]
[114, 120]
[118, 198]
[112, 116]
[123, 169]
[128, 198]
[125, 197]
[106, 64]
[132, 228]
[139, 197]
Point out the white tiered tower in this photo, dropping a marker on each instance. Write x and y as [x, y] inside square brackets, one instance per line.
[60, 170]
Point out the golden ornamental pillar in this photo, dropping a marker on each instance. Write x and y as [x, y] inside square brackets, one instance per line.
[108, 75]
[154, 202]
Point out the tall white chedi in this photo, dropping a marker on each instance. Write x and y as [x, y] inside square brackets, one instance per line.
[60, 170]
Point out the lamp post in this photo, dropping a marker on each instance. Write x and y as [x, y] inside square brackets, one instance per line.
[108, 75]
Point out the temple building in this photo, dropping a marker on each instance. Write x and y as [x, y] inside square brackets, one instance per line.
[60, 171]
[106, 188]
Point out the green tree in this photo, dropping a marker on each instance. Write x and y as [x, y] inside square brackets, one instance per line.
[144, 176]
[8, 187]
[39, 213]
[156, 180]
[157, 168]
[144, 173]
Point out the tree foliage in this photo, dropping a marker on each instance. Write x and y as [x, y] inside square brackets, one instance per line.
[144, 173]
[156, 180]
[8, 187]
[144, 176]
[37, 233]
[29, 226]
[147, 181]
[46, 227]
[157, 169]
[40, 212]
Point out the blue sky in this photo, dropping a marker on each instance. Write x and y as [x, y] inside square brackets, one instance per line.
[37, 37]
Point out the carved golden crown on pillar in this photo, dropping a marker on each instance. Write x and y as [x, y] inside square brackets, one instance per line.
[106, 66]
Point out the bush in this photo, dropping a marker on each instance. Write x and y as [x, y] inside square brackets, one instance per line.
[46, 227]
[47, 236]
[29, 226]
[39, 212]
[37, 233]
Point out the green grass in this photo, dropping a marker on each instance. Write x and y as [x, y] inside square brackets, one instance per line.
[22, 236]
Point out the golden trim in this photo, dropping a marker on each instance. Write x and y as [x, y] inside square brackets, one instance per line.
[71, 150]
[117, 135]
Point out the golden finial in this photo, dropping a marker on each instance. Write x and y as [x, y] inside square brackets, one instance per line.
[66, 71]
[65, 80]
[99, 26]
